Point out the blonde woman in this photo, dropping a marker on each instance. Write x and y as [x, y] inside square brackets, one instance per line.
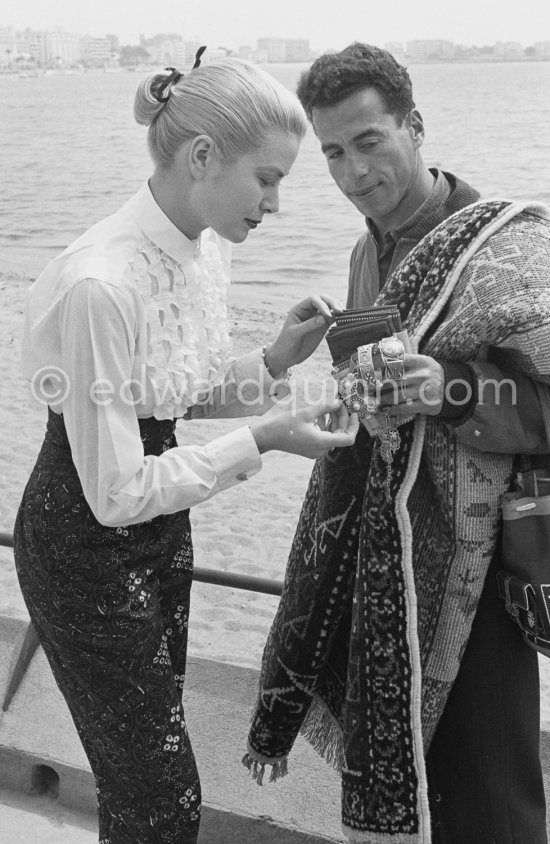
[129, 326]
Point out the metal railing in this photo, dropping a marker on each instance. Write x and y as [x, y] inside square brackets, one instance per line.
[217, 578]
[213, 576]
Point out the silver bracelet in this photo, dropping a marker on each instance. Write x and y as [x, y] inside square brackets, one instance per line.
[393, 357]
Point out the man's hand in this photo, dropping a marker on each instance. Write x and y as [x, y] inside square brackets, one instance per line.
[422, 391]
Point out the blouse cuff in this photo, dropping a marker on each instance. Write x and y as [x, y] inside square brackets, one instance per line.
[234, 457]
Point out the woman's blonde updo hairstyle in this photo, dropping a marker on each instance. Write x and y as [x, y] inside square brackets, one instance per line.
[237, 104]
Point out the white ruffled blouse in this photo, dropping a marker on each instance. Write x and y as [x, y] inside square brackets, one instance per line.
[131, 321]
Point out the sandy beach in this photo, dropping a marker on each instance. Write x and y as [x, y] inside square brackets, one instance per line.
[248, 529]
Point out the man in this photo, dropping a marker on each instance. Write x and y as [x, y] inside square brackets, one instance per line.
[391, 649]
[361, 106]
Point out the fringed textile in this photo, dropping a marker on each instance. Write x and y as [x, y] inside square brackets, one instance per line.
[379, 596]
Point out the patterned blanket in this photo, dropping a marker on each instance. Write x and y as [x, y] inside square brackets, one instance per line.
[379, 596]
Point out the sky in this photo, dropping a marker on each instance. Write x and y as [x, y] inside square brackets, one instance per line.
[326, 23]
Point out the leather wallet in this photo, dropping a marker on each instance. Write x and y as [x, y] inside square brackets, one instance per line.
[359, 326]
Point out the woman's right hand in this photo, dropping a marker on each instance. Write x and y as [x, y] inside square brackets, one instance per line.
[305, 326]
[303, 430]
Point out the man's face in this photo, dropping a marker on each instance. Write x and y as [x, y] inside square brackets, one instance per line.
[372, 157]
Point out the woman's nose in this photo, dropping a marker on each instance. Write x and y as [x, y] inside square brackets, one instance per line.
[270, 202]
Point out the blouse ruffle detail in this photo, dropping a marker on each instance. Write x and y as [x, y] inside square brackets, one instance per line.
[188, 342]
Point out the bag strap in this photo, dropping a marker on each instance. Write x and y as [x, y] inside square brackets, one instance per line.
[531, 467]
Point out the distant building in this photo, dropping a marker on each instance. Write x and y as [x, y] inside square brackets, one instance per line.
[173, 51]
[249, 54]
[275, 48]
[298, 50]
[96, 52]
[285, 49]
[189, 52]
[113, 42]
[397, 49]
[54, 48]
[210, 55]
[259, 56]
[213, 55]
[430, 50]
[245, 53]
[509, 50]
[8, 46]
[542, 49]
[167, 52]
[60, 48]
[30, 44]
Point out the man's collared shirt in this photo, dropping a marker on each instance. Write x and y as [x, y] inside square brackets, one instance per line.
[375, 257]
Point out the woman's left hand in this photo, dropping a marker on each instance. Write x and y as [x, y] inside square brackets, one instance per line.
[422, 391]
[304, 328]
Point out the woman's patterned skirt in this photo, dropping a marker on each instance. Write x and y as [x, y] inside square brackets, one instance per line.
[110, 607]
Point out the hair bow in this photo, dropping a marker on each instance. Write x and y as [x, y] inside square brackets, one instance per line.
[162, 93]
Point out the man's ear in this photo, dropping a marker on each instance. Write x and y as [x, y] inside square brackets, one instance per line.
[416, 127]
[201, 156]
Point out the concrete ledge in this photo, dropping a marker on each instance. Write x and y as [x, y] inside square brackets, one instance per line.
[40, 753]
[74, 789]
[29, 774]
[37, 738]
[33, 819]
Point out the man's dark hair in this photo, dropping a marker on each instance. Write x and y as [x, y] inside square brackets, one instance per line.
[335, 76]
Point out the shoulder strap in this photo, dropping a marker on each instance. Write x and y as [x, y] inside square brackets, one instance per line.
[532, 467]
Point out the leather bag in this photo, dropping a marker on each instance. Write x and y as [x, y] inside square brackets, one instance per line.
[524, 582]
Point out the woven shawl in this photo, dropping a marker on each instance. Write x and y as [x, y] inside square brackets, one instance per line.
[379, 596]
